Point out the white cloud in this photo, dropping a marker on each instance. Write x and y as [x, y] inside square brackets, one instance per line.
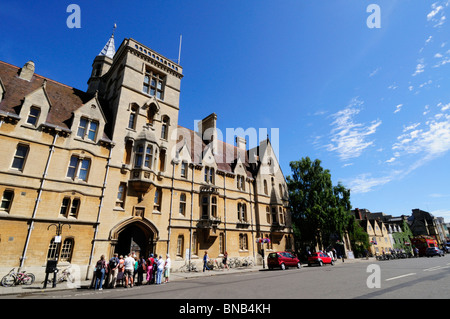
[444, 107]
[374, 72]
[349, 139]
[393, 86]
[437, 13]
[398, 108]
[431, 141]
[391, 160]
[365, 183]
[410, 127]
[420, 68]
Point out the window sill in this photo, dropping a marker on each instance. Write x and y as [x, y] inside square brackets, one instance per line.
[79, 139]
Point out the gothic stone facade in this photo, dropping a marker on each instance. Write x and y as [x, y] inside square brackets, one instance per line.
[112, 168]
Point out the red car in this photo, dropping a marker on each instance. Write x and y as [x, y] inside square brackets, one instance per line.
[282, 260]
[320, 259]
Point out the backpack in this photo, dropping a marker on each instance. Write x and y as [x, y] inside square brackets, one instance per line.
[113, 263]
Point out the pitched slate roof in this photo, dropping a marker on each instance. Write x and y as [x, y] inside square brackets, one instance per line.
[64, 99]
[226, 155]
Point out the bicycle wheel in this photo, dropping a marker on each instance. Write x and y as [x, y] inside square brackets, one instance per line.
[9, 281]
[70, 278]
[28, 279]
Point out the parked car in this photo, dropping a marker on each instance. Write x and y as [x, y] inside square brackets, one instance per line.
[320, 259]
[433, 251]
[282, 260]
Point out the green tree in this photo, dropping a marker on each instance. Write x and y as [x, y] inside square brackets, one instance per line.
[358, 237]
[320, 211]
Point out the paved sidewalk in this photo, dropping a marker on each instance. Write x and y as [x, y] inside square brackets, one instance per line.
[174, 276]
[37, 287]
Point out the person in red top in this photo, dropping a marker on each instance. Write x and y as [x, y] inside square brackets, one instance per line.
[150, 263]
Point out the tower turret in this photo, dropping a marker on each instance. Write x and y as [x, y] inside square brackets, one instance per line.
[102, 63]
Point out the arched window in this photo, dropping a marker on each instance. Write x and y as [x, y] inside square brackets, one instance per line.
[266, 191]
[165, 127]
[152, 110]
[133, 117]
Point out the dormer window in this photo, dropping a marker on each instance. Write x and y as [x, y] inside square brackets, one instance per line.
[87, 129]
[240, 181]
[33, 116]
[209, 175]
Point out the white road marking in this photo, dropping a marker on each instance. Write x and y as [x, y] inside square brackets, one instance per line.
[411, 274]
[436, 268]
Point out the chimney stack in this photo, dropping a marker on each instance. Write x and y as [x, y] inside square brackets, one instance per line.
[26, 73]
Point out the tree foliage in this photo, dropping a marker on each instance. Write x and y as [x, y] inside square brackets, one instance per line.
[320, 211]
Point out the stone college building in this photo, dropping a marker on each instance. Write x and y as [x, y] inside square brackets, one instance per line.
[85, 174]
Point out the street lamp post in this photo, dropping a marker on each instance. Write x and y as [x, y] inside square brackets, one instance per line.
[262, 241]
[51, 263]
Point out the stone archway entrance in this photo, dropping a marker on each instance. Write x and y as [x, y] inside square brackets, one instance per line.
[136, 234]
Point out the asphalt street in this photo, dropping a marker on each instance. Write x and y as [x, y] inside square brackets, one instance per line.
[415, 278]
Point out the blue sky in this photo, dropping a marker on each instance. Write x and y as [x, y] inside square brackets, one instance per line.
[372, 104]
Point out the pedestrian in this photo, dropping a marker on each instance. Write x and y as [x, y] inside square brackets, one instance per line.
[120, 270]
[142, 267]
[167, 266]
[159, 270]
[100, 271]
[129, 270]
[136, 266]
[113, 271]
[225, 261]
[205, 261]
[150, 262]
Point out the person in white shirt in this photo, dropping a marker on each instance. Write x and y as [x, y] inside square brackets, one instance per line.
[159, 270]
[129, 270]
[167, 269]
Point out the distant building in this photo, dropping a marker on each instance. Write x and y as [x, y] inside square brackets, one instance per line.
[385, 232]
[424, 223]
[113, 166]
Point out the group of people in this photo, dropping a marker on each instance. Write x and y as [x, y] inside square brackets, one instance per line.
[208, 266]
[130, 270]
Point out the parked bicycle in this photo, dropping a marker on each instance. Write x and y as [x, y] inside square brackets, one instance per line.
[14, 278]
[63, 276]
[188, 267]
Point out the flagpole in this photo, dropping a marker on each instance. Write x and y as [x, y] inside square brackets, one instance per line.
[179, 51]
